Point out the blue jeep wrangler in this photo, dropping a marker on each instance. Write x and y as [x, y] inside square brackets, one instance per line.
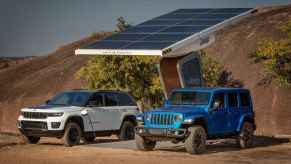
[193, 115]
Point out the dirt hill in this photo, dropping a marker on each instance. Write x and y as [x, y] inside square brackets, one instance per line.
[32, 81]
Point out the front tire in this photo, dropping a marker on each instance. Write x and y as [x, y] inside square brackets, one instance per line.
[126, 131]
[72, 135]
[245, 137]
[196, 141]
[144, 144]
[30, 139]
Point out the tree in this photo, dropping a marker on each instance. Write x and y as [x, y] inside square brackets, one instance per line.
[215, 75]
[276, 57]
[121, 25]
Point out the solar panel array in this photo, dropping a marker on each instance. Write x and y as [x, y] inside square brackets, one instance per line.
[165, 30]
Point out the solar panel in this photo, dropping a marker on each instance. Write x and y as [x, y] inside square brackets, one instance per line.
[168, 32]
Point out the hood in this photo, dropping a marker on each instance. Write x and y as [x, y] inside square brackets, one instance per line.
[184, 110]
[53, 108]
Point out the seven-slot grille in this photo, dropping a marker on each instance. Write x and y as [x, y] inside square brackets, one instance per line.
[36, 115]
[33, 125]
[162, 119]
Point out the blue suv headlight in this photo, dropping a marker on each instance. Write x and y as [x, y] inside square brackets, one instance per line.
[177, 118]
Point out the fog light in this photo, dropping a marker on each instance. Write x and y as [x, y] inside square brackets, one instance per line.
[55, 125]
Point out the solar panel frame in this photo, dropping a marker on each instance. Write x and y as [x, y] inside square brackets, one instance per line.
[163, 32]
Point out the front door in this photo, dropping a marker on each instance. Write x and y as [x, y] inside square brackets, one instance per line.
[97, 112]
[219, 116]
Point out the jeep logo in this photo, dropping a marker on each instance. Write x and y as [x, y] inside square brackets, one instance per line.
[204, 40]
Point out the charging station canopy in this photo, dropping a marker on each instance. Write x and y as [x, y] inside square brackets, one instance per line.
[175, 33]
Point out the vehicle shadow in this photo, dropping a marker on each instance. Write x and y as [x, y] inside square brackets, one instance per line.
[227, 145]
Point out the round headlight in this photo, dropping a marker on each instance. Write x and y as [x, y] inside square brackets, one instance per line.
[177, 118]
[148, 117]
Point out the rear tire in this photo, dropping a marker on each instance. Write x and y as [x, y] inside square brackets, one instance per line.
[245, 137]
[144, 144]
[30, 139]
[196, 141]
[72, 135]
[126, 131]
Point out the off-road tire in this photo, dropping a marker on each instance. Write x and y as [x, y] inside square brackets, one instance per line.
[126, 131]
[30, 139]
[144, 144]
[196, 140]
[72, 134]
[245, 137]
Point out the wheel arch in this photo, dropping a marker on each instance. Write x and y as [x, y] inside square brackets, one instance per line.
[76, 119]
[198, 120]
[130, 118]
[246, 118]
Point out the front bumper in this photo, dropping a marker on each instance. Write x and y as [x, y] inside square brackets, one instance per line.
[170, 133]
[41, 132]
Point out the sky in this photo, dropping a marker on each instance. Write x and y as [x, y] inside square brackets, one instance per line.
[37, 27]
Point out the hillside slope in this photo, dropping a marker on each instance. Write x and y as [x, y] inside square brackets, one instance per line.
[33, 81]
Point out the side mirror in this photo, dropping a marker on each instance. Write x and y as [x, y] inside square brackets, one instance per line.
[47, 101]
[84, 112]
[216, 104]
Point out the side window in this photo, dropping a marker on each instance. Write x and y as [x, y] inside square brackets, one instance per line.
[110, 99]
[98, 99]
[219, 97]
[125, 100]
[232, 100]
[245, 99]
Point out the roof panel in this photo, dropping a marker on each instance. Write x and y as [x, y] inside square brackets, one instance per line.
[148, 45]
[177, 16]
[126, 37]
[230, 10]
[184, 29]
[215, 16]
[106, 45]
[201, 22]
[165, 37]
[193, 11]
[160, 22]
[175, 31]
[144, 29]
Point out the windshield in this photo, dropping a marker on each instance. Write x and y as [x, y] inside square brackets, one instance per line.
[71, 99]
[189, 98]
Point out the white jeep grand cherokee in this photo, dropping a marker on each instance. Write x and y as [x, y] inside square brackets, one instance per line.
[80, 114]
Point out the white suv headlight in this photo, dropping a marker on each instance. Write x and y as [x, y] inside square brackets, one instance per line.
[59, 114]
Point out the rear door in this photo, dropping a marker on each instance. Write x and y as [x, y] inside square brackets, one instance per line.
[234, 110]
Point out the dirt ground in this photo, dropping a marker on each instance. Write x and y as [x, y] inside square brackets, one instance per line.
[50, 150]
